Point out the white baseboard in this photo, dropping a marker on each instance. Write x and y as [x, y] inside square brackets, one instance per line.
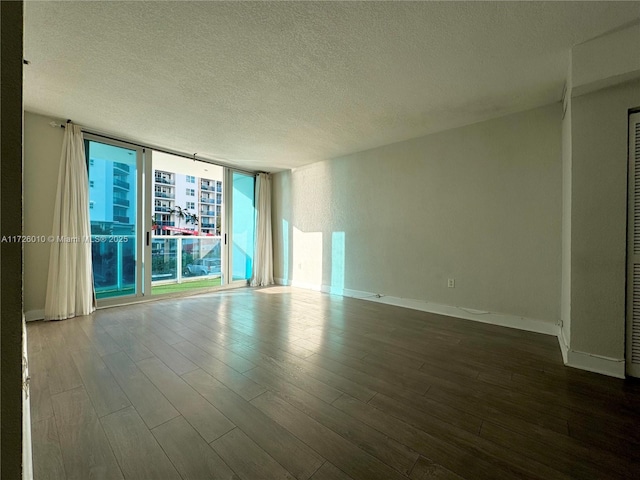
[613, 367]
[33, 315]
[595, 363]
[502, 319]
[505, 320]
[585, 361]
[564, 346]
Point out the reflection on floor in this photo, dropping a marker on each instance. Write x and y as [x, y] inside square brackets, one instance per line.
[283, 383]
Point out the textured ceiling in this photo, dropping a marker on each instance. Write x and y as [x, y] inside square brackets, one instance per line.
[272, 85]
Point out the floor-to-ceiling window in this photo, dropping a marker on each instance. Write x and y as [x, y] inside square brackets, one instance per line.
[187, 225]
[114, 216]
[164, 224]
[243, 226]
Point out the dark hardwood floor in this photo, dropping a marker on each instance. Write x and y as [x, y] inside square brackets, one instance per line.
[282, 383]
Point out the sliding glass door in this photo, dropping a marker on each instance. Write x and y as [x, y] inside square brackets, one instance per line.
[187, 212]
[114, 214]
[162, 224]
[243, 226]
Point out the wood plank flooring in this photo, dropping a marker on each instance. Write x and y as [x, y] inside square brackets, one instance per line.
[282, 383]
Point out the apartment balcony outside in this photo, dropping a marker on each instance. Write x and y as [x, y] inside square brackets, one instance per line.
[123, 202]
[164, 181]
[158, 208]
[185, 263]
[121, 184]
[120, 219]
[207, 213]
[207, 186]
[177, 264]
[163, 195]
[121, 166]
[207, 200]
[208, 225]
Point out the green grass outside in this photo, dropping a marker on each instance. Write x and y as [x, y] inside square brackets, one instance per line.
[183, 287]
[161, 289]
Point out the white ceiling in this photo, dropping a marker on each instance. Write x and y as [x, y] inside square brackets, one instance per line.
[273, 85]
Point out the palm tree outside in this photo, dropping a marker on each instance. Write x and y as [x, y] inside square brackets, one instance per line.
[179, 213]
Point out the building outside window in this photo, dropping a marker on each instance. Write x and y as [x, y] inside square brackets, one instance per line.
[168, 199]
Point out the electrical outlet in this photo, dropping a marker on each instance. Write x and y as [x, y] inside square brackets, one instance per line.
[451, 283]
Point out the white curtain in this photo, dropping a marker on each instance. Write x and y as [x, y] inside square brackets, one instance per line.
[263, 258]
[70, 281]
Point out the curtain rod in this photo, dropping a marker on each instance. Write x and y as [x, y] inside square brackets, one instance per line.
[158, 149]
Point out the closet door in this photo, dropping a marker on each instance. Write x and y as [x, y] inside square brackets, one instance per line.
[633, 250]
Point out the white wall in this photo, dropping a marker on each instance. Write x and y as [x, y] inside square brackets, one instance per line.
[603, 86]
[606, 60]
[565, 314]
[598, 219]
[42, 150]
[481, 204]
